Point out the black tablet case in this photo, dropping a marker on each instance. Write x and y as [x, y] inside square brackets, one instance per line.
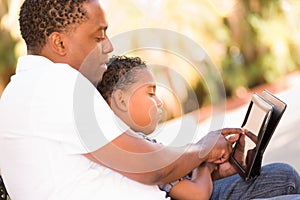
[273, 113]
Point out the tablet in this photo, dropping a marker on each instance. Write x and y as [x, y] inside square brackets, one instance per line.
[263, 114]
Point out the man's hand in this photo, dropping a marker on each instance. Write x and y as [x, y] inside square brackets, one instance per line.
[226, 169]
[215, 147]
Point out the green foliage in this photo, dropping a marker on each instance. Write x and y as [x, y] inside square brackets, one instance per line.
[7, 49]
[7, 55]
[264, 48]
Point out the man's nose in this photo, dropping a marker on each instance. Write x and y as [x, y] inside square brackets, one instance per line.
[107, 46]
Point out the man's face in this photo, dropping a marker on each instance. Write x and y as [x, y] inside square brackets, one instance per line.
[88, 44]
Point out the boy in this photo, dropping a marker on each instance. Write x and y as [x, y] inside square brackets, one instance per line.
[129, 88]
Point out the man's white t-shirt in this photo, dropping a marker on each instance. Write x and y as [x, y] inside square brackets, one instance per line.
[49, 116]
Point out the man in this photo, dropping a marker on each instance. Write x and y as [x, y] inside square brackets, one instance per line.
[58, 137]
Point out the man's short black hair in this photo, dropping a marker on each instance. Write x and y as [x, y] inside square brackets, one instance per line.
[39, 18]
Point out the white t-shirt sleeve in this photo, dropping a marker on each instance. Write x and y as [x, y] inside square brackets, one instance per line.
[69, 109]
[95, 122]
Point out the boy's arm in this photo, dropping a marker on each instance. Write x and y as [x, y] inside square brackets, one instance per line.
[199, 187]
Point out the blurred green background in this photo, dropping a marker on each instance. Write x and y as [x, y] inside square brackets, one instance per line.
[251, 42]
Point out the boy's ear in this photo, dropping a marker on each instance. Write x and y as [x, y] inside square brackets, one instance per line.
[57, 43]
[119, 98]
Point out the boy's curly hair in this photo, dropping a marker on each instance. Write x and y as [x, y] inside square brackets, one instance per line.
[121, 72]
[39, 18]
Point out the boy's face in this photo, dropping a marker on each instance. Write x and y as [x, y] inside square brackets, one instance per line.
[88, 45]
[144, 108]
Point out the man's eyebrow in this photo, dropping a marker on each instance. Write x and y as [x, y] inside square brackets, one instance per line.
[101, 28]
[152, 85]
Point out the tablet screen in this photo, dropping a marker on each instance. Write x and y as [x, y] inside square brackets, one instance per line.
[256, 120]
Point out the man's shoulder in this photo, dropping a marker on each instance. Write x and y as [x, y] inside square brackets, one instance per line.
[41, 63]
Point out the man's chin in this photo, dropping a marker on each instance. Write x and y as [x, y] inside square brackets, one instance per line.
[102, 69]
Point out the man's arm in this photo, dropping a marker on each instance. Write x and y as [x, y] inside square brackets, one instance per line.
[153, 163]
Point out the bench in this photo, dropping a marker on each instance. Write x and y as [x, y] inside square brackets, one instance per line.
[3, 192]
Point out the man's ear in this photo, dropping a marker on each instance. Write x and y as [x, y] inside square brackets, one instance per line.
[57, 43]
[118, 98]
